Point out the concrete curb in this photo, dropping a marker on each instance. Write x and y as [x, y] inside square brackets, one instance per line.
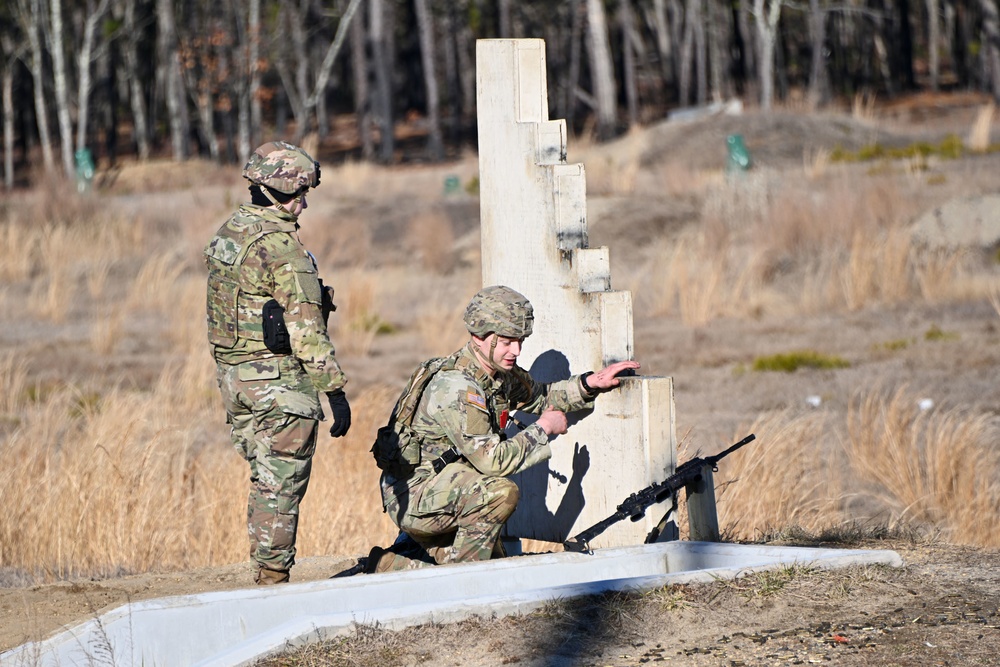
[237, 627]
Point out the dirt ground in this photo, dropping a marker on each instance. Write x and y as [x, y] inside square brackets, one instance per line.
[941, 608]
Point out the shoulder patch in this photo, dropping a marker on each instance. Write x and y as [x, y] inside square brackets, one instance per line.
[477, 400]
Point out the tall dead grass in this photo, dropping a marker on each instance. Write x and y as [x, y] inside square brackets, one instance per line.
[783, 479]
[126, 482]
[936, 469]
[785, 250]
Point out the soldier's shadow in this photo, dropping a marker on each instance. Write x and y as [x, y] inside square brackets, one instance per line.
[553, 366]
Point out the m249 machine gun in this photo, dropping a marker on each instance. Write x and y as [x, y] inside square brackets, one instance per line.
[634, 507]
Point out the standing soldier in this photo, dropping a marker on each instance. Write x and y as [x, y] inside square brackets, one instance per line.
[267, 330]
[445, 455]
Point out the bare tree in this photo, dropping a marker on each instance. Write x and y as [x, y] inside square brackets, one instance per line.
[303, 92]
[601, 69]
[362, 96]
[933, 43]
[630, 45]
[253, 42]
[505, 25]
[12, 52]
[991, 28]
[203, 72]
[136, 88]
[382, 64]
[169, 61]
[57, 43]
[425, 28]
[766, 13]
[85, 57]
[656, 16]
[30, 16]
[818, 84]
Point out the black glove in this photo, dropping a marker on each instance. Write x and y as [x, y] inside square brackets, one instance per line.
[341, 411]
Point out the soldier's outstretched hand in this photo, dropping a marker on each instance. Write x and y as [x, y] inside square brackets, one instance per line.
[607, 377]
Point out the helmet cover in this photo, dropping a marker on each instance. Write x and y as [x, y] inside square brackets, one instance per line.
[500, 310]
[282, 167]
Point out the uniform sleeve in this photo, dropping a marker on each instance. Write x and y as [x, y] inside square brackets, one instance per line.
[458, 408]
[295, 286]
[530, 396]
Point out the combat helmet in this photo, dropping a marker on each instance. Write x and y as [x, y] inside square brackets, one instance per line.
[282, 167]
[500, 310]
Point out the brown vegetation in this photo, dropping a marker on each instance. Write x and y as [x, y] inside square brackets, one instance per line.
[117, 457]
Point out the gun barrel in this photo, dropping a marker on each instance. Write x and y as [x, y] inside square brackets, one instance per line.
[718, 457]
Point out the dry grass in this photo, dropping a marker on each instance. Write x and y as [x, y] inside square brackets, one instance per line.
[789, 478]
[134, 475]
[937, 467]
[431, 234]
[123, 483]
[848, 249]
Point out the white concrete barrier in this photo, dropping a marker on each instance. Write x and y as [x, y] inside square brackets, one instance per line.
[237, 627]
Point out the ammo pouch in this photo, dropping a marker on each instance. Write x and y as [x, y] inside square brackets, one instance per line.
[276, 337]
[396, 450]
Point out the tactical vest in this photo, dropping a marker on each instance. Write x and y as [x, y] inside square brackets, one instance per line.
[233, 307]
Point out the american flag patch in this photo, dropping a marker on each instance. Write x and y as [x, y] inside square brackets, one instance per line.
[475, 399]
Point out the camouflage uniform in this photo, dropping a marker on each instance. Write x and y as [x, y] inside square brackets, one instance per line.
[271, 399]
[456, 514]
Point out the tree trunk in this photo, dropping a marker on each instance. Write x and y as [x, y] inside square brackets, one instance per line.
[136, 87]
[323, 75]
[56, 47]
[94, 17]
[904, 52]
[700, 51]
[626, 21]
[718, 62]
[362, 96]
[425, 28]
[664, 43]
[601, 69]
[31, 15]
[256, 112]
[174, 93]
[573, 77]
[505, 25]
[818, 87]
[991, 28]
[933, 44]
[383, 80]
[748, 52]
[687, 53]
[7, 97]
[767, 26]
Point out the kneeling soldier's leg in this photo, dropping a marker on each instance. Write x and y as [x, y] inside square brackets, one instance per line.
[482, 511]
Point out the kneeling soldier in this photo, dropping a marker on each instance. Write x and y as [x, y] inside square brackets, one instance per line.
[454, 498]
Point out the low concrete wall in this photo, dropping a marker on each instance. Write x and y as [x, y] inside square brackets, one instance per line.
[238, 627]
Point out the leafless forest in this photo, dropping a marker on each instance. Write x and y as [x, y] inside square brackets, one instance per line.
[394, 80]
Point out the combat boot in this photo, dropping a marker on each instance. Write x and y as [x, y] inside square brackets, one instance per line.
[266, 577]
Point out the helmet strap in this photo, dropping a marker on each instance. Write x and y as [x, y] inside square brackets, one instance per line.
[277, 204]
[490, 364]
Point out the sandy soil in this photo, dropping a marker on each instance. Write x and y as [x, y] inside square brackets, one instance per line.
[940, 609]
